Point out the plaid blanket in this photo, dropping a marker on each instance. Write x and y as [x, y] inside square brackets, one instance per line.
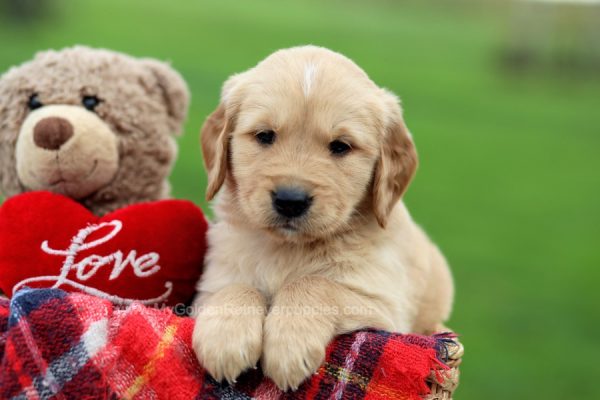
[73, 346]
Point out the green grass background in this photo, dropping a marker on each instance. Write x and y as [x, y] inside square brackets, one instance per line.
[509, 177]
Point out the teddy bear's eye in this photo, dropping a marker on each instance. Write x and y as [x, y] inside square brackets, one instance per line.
[34, 102]
[90, 102]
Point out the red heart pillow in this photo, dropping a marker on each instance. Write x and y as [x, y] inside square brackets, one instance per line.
[149, 252]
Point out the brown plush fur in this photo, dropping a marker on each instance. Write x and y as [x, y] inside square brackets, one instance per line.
[280, 289]
[126, 145]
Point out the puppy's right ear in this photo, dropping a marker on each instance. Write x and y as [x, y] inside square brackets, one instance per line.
[215, 136]
[397, 163]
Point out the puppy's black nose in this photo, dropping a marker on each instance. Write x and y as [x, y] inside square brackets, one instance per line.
[290, 202]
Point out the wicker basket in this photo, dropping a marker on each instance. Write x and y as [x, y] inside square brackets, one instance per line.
[443, 383]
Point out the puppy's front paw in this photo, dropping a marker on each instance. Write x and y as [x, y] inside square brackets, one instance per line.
[228, 343]
[227, 346]
[293, 349]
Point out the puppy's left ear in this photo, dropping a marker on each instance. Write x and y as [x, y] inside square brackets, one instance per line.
[215, 135]
[215, 142]
[174, 90]
[397, 162]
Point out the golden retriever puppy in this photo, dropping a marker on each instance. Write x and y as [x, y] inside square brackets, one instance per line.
[309, 159]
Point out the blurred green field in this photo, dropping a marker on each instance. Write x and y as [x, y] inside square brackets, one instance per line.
[509, 181]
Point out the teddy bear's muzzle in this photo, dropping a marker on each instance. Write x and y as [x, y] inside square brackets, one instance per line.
[66, 149]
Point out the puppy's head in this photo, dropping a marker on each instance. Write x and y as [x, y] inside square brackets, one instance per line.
[306, 143]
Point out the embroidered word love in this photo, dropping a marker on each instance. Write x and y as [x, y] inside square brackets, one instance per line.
[143, 266]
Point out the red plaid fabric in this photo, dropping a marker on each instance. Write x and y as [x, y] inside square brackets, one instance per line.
[63, 346]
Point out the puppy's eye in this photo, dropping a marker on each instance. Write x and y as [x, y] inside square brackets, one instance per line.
[339, 148]
[90, 102]
[34, 102]
[265, 137]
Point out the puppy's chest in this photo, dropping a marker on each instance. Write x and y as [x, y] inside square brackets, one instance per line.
[260, 263]
[377, 266]
[268, 267]
[271, 269]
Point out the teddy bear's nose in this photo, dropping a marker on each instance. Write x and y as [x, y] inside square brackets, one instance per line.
[51, 133]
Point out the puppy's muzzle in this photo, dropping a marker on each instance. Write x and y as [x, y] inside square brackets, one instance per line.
[291, 202]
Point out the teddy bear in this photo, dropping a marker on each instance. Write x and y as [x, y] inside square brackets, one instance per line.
[95, 125]
[87, 142]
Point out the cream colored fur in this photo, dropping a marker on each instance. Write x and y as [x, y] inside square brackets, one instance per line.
[278, 291]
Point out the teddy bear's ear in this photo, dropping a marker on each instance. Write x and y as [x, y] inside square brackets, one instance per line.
[174, 90]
